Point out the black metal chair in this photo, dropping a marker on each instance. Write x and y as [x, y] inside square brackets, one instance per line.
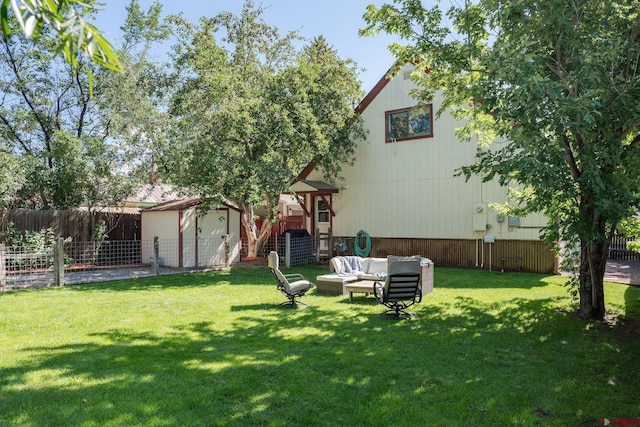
[291, 285]
[401, 288]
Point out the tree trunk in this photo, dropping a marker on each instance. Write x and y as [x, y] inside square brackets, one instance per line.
[256, 239]
[593, 260]
[592, 265]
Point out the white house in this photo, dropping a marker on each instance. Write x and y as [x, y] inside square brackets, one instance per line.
[402, 191]
[188, 239]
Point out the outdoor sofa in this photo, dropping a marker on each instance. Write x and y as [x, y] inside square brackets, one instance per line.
[348, 270]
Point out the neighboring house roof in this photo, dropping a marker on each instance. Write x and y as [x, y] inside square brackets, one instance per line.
[182, 204]
[112, 209]
[152, 194]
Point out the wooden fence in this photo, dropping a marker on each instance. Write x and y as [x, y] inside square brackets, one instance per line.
[508, 255]
[75, 224]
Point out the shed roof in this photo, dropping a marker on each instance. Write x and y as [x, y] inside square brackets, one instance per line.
[182, 204]
[174, 205]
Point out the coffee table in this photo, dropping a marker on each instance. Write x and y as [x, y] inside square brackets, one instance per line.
[365, 286]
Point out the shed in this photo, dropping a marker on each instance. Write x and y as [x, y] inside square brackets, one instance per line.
[189, 237]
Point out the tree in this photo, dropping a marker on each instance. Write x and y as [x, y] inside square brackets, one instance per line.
[65, 17]
[251, 113]
[557, 80]
[73, 144]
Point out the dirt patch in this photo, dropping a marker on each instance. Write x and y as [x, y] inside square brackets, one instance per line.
[626, 329]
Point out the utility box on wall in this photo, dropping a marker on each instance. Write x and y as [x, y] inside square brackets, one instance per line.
[479, 215]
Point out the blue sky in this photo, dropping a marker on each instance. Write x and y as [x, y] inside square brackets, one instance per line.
[337, 20]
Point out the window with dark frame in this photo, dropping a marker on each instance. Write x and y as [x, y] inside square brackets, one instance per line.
[409, 123]
[323, 211]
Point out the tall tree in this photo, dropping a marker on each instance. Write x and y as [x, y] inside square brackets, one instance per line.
[559, 81]
[69, 140]
[251, 113]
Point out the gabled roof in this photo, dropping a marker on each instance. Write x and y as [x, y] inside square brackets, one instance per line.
[382, 83]
[373, 93]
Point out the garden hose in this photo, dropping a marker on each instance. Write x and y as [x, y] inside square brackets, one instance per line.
[362, 252]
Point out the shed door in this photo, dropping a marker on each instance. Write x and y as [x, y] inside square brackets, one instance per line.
[211, 244]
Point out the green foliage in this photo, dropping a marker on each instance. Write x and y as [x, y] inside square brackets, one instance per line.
[558, 81]
[29, 241]
[634, 246]
[9, 235]
[99, 231]
[76, 139]
[250, 112]
[11, 178]
[74, 35]
[631, 228]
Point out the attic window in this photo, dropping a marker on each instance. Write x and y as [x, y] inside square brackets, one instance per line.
[407, 75]
[409, 123]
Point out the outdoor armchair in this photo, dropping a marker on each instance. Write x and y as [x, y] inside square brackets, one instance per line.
[401, 288]
[291, 285]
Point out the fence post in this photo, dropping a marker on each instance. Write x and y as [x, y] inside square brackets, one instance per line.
[3, 265]
[156, 255]
[58, 262]
[287, 249]
[227, 260]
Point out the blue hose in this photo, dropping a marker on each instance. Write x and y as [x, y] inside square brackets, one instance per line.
[362, 252]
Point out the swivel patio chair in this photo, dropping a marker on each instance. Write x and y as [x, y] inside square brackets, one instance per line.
[401, 288]
[291, 285]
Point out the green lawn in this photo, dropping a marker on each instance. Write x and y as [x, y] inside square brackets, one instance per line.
[215, 349]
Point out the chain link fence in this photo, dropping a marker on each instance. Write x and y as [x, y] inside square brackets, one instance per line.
[294, 247]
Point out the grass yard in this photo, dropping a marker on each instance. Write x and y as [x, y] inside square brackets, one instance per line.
[212, 349]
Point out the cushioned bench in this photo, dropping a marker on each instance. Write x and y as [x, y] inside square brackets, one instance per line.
[350, 269]
[347, 270]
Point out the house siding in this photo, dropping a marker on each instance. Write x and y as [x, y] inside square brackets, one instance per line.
[408, 189]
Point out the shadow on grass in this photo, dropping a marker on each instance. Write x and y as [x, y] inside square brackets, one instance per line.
[484, 279]
[632, 301]
[237, 276]
[458, 363]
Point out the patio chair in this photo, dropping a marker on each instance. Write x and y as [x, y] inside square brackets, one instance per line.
[401, 288]
[291, 285]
